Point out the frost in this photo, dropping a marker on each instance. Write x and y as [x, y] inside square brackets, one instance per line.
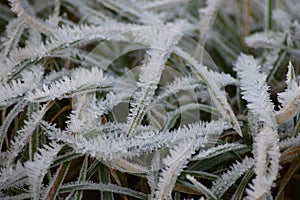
[95, 92]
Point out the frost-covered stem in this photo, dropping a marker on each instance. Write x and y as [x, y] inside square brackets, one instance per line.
[149, 78]
[266, 148]
[208, 15]
[218, 96]
[266, 163]
[181, 154]
[13, 38]
[176, 161]
[207, 18]
[30, 20]
[24, 135]
[8, 119]
[227, 179]
[161, 42]
[37, 168]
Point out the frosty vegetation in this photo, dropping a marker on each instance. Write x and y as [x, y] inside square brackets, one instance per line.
[149, 99]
